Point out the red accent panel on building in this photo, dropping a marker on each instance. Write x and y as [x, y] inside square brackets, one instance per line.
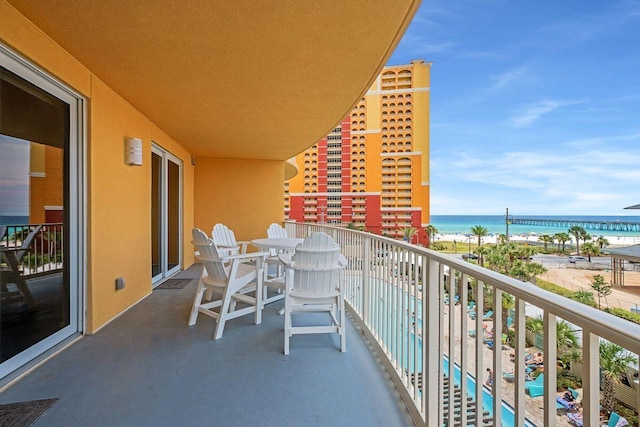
[322, 165]
[373, 216]
[296, 211]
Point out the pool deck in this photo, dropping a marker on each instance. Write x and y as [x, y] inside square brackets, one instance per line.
[534, 406]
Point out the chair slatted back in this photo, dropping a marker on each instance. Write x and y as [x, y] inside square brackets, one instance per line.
[275, 230]
[27, 242]
[209, 256]
[223, 235]
[317, 268]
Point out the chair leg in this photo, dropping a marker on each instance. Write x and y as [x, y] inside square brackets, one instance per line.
[259, 300]
[224, 310]
[341, 328]
[287, 324]
[197, 300]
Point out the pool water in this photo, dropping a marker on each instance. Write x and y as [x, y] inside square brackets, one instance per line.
[406, 324]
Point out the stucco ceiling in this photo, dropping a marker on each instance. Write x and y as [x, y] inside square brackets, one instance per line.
[233, 79]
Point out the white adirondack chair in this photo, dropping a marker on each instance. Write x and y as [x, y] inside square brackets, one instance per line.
[274, 271]
[225, 240]
[230, 275]
[314, 283]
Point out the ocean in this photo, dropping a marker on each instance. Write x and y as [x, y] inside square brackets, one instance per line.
[461, 224]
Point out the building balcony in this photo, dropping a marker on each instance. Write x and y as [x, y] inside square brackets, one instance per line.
[407, 336]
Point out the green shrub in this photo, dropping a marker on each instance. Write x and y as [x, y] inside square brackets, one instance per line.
[566, 379]
[438, 246]
[621, 312]
[552, 287]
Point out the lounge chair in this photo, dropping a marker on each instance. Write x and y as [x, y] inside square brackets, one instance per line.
[488, 315]
[535, 387]
[509, 322]
[456, 298]
[562, 403]
[615, 420]
[509, 376]
[575, 418]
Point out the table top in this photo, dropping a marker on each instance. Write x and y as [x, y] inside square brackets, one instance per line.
[277, 243]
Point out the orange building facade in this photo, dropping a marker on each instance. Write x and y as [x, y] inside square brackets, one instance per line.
[372, 169]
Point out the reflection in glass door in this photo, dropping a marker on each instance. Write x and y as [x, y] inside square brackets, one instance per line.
[166, 214]
[40, 218]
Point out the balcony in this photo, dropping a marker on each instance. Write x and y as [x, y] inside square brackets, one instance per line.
[154, 369]
[148, 367]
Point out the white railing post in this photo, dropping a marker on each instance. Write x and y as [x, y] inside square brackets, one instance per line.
[550, 368]
[367, 267]
[431, 345]
[519, 368]
[479, 351]
[590, 378]
[496, 388]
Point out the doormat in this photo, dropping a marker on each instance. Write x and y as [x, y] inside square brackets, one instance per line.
[174, 283]
[23, 414]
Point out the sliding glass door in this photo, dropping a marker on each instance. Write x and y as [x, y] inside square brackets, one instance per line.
[166, 214]
[41, 216]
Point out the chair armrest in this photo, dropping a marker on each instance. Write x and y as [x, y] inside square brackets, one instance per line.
[243, 246]
[285, 258]
[245, 256]
[238, 257]
[342, 260]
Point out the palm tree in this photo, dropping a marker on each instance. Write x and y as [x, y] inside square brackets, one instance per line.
[562, 238]
[482, 251]
[577, 232]
[408, 233]
[431, 231]
[546, 239]
[502, 239]
[614, 361]
[480, 231]
[602, 242]
[508, 302]
[590, 249]
[565, 335]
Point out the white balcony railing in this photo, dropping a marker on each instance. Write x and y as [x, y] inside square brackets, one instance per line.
[396, 291]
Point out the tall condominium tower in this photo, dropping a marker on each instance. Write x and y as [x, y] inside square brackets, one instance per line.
[372, 169]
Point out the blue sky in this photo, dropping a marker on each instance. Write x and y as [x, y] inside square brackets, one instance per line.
[535, 106]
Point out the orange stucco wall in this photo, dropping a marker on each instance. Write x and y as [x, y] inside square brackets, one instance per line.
[240, 194]
[118, 195]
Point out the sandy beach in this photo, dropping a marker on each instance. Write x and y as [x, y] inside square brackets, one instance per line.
[614, 240]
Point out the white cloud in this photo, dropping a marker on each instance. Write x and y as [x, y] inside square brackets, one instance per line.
[532, 112]
[504, 79]
[561, 182]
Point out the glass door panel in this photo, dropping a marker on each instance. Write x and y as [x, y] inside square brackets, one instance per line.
[156, 214]
[173, 215]
[166, 214]
[39, 215]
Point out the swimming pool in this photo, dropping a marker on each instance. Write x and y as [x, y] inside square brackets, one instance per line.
[396, 322]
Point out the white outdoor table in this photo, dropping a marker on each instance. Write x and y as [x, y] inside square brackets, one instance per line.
[281, 244]
[278, 243]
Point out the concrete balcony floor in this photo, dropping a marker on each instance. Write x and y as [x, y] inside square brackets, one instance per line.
[148, 368]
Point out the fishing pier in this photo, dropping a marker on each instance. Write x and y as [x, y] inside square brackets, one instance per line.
[586, 224]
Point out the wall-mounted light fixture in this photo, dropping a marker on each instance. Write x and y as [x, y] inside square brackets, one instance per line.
[133, 151]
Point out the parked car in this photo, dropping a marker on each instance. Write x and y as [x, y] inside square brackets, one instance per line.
[467, 257]
[574, 258]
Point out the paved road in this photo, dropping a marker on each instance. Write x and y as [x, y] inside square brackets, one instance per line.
[554, 260]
